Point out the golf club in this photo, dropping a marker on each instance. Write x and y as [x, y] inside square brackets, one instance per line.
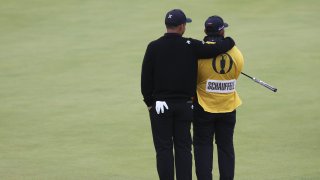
[261, 82]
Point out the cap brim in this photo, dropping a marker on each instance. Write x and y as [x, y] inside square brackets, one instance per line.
[188, 20]
[225, 25]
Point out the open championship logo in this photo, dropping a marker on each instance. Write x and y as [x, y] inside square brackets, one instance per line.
[223, 61]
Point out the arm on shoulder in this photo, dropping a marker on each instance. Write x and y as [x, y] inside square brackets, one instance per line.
[209, 50]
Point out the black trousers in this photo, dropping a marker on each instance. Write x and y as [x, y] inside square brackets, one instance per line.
[205, 127]
[171, 131]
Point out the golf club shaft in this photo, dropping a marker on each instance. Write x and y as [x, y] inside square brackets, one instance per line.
[261, 82]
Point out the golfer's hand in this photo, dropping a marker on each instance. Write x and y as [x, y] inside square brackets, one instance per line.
[160, 105]
[230, 40]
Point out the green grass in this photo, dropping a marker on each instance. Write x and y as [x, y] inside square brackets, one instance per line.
[70, 102]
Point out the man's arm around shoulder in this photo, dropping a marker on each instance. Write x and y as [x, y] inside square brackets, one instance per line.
[206, 50]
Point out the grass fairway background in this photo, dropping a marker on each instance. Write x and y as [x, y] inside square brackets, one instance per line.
[70, 102]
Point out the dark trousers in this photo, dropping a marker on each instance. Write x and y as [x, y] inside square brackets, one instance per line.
[205, 127]
[171, 130]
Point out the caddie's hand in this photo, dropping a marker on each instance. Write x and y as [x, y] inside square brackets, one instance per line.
[160, 105]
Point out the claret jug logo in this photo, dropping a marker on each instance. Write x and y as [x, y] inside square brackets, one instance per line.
[222, 64]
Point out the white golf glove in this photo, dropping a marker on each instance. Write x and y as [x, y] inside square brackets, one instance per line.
[160, 105]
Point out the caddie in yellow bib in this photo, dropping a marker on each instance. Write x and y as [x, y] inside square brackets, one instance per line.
[215, 105]
[217, 80]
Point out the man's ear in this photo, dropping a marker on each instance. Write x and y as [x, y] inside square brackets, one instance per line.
[181, 27]
[221, 32]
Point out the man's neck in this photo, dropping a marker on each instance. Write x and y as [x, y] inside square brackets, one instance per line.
[213, 38]
[173, 31]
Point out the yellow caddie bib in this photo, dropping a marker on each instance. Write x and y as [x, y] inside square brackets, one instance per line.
[216, 83]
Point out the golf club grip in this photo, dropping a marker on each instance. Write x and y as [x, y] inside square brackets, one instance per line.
[264, 84]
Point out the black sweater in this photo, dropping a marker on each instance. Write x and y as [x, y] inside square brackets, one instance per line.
[169, 68]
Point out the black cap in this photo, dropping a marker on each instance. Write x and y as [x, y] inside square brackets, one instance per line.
[215, 24]
[176, 17]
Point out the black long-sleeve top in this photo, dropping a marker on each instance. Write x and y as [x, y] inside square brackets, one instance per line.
[169, 68]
